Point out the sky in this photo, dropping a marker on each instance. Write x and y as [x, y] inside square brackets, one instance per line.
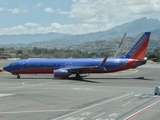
[71, 16]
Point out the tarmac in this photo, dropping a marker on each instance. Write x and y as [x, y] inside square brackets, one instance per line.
[122, 95]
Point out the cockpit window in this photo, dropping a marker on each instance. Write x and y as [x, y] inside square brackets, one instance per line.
[12, 64]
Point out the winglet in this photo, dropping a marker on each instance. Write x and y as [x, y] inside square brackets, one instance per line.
[102, 64]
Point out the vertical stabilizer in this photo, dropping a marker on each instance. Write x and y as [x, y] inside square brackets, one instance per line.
[138, 51]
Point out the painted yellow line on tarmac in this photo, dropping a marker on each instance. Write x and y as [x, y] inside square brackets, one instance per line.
[51, 83]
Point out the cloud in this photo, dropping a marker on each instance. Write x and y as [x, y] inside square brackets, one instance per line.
[34, 28]
[104, 11]
[31, 25]
[59, 11]
[1, 9]
[17, 10]
[90, 16]
[80, 28]
[49, 10]
[38, 5]
[74, 28]
[14, 30]
[88, 10]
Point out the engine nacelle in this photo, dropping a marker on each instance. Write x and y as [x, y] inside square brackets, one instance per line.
[61, 73]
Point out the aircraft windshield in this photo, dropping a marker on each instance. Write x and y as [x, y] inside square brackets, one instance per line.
[12, 64]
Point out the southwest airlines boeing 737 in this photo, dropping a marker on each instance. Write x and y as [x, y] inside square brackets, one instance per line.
[64, 67]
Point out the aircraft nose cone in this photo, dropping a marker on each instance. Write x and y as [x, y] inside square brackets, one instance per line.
[6, 68]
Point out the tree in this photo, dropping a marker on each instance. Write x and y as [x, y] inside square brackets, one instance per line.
[153, 56]
[157, 51]
[19, 52]
[36, 51]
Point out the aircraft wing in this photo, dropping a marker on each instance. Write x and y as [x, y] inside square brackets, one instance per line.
[86, 68]
[79, 69]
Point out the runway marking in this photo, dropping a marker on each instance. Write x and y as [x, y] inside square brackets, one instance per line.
[114, 115]
[36, 111]
[49, 82]
[45, 83]
[86, 113]
[93, 106]
[126, 104]
[145, 96]
[23, 83]
[3, 95]
[142, 111]
[98, 115]
[138, 95]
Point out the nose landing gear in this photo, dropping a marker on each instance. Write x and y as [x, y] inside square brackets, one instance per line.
[18, 77]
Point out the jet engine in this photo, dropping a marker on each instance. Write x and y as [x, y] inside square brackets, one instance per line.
[61, 73]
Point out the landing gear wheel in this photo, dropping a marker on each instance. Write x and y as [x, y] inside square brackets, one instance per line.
[18, 76]
[78, 77]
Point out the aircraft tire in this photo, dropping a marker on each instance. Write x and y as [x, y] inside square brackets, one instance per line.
[18, 77]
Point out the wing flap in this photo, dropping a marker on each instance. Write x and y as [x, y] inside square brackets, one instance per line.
[84, 69]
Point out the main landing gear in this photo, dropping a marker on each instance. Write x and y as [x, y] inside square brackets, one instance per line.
[18, 76]
[78, 77]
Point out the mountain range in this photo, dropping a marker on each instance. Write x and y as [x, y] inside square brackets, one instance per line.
[133, 29]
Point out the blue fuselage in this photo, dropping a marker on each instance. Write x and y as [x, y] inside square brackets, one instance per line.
[84, 65]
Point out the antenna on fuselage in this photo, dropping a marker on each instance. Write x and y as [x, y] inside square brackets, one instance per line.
[120, 45]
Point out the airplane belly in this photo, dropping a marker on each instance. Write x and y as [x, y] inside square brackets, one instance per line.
[34, 71]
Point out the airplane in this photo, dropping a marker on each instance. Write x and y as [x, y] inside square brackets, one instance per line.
[64, 67]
